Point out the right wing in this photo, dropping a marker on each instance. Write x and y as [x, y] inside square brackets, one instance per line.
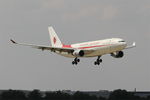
[53, 49]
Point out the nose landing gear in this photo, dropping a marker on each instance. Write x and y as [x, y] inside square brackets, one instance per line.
[76, 61]
[98, 61]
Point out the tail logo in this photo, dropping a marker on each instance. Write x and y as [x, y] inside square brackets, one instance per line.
[54, 40]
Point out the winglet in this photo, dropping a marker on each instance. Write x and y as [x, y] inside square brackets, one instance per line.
[134, 44]
[13, 41]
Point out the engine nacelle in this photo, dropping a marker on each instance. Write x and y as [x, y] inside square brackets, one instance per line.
[118, 54]
[78, 53]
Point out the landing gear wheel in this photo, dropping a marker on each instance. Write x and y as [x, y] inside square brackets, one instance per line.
[75, 62]
[98, 61]
[95, 63]
[78, 60]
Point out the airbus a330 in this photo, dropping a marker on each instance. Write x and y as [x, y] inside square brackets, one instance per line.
[112, 46]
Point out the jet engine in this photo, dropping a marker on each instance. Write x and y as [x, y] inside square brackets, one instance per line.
[78, 53]
[118, 54]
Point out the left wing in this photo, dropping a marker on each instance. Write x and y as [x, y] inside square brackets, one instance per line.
[53, 49]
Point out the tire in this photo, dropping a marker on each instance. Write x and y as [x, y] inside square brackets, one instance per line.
[76, 63]
[98, 63]
[78, 60]
[73, 63]
[95, 63]
[100, 60]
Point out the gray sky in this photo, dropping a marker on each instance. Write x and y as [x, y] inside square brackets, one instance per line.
[74, 21]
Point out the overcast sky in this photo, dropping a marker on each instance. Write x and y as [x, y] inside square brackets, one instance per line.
[74, 21]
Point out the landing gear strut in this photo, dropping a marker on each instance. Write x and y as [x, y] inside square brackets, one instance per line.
[76, 60]
[98, 61]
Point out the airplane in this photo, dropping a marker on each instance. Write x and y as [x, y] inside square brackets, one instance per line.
[112, 46]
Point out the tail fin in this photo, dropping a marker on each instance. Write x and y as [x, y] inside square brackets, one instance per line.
[55, 41]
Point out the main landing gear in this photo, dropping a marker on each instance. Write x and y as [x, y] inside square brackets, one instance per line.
[75, 62]
[98, 61]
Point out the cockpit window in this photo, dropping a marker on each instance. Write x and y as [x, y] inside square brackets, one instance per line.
[122, 41]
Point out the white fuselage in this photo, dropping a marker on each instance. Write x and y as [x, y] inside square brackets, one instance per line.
[98, 48]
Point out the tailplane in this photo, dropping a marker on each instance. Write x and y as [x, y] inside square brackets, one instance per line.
[55, 41]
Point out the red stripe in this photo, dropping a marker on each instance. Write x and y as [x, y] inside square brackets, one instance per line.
[67, 46]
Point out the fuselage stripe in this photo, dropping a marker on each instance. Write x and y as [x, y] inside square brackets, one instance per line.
[69, 46]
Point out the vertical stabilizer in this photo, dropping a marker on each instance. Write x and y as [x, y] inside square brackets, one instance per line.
[55, 41]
